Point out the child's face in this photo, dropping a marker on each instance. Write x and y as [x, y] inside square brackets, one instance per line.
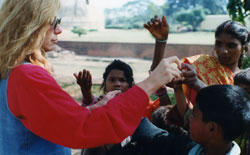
[246, 87]
[198, 129]
[116, 80]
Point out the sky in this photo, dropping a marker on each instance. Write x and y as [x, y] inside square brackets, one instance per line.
[109, 3]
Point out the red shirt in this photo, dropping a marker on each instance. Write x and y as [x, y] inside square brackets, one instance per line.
[49, 112]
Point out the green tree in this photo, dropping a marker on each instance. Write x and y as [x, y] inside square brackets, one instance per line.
[214, 6]
[78, 30]
[191, 17]
[239, 9]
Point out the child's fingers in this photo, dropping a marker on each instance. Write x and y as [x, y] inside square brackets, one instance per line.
[75, 75]
[164, 21]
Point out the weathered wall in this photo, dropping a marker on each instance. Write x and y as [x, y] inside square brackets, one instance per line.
[139, 50]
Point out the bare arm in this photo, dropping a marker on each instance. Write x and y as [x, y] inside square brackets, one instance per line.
[180, 100]
[159, 28]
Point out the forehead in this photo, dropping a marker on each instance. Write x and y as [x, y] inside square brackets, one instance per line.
[196, 112]
[116, 73]
[225, 37]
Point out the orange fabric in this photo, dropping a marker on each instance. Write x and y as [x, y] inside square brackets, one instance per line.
[152, 106]
[209, 71]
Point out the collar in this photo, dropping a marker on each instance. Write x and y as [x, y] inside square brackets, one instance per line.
[197, 149]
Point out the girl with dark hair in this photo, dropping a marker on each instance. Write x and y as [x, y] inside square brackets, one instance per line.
[117, 76]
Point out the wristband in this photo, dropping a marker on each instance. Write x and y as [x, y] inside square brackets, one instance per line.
[161, 41]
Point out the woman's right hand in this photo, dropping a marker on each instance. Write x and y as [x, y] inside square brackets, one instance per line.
[104, 99]
[159, 28]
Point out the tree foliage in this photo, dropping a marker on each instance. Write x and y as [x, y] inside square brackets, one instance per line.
[132, 14]
[213, 6]
[78, 30]
[191, 17]
[239, 10]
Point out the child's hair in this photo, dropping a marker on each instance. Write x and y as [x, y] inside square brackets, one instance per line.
[236, 30]
[119, 65]
[226, 105]
[243, 77]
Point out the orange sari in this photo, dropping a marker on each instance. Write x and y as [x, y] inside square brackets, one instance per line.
[209, 71]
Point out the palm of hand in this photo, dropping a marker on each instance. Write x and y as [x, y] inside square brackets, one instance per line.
[159, 31]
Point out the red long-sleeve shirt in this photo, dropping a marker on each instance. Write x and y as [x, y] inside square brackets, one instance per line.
[49, 112]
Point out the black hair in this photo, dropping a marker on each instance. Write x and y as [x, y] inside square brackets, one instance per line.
[226, 105]
[237, 30]
[243, 77]
[119, 65]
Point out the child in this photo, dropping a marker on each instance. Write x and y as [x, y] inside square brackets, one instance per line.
[242, 79]
[221, 114]
[117, 76]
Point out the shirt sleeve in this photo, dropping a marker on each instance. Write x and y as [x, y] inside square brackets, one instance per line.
[45, 109]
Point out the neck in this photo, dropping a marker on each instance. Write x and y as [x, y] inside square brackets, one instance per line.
[218, 149]
[234, 68]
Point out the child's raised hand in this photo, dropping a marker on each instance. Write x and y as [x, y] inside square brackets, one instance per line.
[84, 79]
[159, 28]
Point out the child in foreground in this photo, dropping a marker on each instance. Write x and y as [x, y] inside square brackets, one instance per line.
[242, 79]
[220, 115]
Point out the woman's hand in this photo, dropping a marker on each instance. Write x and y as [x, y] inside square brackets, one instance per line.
[159, 28]
[105, 99]
[167, 71]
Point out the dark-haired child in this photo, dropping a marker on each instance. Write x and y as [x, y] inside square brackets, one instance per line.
[242, 79]
[220, 115]
[118, 75]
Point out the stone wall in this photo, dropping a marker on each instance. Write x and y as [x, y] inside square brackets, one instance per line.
[138, 50]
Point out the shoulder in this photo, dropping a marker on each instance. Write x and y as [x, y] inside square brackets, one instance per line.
[30, 73]
[25, 69]
[198, 58]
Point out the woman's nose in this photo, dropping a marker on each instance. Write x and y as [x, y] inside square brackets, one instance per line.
[223, 50]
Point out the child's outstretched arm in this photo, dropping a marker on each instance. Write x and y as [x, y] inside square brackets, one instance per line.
[159, 29]
[180, 100]
[84, 79]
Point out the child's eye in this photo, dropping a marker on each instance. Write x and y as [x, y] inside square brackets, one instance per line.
[111, 79]
[123, 80]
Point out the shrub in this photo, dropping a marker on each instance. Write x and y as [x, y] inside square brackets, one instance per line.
[78, 30]
[246, 62]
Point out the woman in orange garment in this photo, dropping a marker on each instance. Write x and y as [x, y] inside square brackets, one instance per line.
[231, 45]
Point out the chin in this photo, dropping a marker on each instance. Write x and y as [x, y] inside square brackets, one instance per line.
[49, 49]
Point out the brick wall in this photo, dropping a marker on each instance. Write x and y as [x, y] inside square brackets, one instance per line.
[139, 50]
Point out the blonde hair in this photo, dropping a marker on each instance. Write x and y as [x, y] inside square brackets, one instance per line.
[23, 25]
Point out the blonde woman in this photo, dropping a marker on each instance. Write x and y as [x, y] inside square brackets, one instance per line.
[36, 115]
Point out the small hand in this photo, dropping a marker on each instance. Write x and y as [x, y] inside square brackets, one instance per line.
[159, 28]
[84, 79]
[189, 73]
